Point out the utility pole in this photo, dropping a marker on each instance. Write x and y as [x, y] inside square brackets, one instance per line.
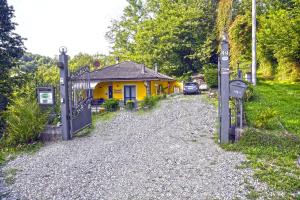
[254, 62]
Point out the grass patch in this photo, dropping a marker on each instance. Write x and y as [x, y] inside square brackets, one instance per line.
[96, 117]
[9, 176]
[9, 153]
[156, 103]
[275, 106]
[252, 195]
[272, 143]
[272, 154]
[86, 131]
[105, 116]
[210, 97]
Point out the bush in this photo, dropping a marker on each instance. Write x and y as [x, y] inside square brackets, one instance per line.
[211, 75]
[25, 121]
[267, 119]
[249, 93]
[111, 105]
[130, 105]
[149, 101]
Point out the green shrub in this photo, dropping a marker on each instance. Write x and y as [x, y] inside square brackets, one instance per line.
[249, 93]
[266, 118]
[149, 101]
[25, 121]
[130, 105]
[211, 75]
[111, 105]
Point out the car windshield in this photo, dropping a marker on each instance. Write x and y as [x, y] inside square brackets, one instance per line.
[190, 84]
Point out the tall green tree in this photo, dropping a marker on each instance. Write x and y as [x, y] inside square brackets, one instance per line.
[122, 32]
[11, 49]
[177, 35]
[180, 38]
[277, 37]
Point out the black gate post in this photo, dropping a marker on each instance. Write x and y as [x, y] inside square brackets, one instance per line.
[224, 92]
[64, 93]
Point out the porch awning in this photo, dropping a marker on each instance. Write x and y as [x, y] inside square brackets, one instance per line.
[84, 85]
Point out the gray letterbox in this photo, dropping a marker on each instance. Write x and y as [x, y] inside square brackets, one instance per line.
[237, 88]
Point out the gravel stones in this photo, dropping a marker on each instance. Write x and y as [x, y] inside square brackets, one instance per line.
[167, 153]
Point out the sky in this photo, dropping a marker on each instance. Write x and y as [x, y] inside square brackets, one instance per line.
[80, 25]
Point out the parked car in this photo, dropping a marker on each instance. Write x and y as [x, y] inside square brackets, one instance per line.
[191, 88]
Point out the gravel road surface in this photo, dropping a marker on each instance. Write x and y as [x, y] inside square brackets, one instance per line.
[166, 153]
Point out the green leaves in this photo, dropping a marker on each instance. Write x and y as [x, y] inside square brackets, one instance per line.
[11, 49]
[25, 121]
[177, 35]
[278, 38]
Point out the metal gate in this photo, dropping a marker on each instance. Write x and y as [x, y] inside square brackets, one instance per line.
[75, 97]
[80, 99]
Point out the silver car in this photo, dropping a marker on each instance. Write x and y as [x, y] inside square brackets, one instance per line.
[191, 88]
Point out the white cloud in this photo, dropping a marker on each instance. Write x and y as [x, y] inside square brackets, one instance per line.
[79, 25]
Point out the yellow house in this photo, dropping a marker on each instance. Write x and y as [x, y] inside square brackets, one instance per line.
[130, 81]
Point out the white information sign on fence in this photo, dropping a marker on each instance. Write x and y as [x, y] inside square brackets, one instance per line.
[46, 97]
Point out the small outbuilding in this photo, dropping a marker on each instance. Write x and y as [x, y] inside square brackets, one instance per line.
[199, 78]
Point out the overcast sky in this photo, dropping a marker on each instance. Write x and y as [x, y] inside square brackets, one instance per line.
[80, 25]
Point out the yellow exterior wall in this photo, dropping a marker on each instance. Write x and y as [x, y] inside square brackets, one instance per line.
[101, 89]
[168, 86]
[118, 89]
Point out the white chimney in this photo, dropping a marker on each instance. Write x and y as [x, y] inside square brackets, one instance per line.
[117, 60]
[156, 68]
[143, 69]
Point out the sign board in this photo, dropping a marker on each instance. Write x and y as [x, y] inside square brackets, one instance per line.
[118, 91]
[46, 95]
[237, 88]
[46, 98]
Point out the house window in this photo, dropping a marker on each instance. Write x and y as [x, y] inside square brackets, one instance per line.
[129, 92]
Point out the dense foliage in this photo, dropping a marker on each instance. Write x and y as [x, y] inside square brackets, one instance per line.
[211, 75]
[278, 37]
[83, 59]
[177, 35]
[11, 49]
[25, 121]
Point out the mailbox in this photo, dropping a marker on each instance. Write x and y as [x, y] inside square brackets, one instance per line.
[237, 88]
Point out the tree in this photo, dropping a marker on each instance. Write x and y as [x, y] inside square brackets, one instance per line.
[277, 37]
[83, 59]
[122, 32]
[11, 49]
[177, 35]
[181, 37]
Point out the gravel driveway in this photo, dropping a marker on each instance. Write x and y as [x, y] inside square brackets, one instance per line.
[167, 153]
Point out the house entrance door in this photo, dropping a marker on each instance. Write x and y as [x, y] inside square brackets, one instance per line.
[110, 91]
[129, 93]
